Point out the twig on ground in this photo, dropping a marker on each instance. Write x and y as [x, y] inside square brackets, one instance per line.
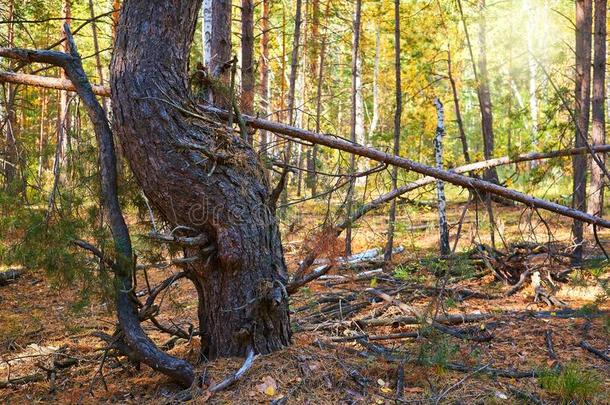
[548, 338]
[593, 350]
[233, 378]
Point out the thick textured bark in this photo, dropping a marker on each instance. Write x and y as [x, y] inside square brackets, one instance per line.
[247, 60]
[582, 97]
[354, 119]
[598, 130]
[397, 117]
[199, 175]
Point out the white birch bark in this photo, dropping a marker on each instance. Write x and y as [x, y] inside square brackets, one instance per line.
[206, 32]
[440, 185]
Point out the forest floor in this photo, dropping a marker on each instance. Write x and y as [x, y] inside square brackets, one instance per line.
[499, 349]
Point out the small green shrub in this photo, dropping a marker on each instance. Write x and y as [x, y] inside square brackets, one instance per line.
[573, 384]
[438, 350]
[408, 274]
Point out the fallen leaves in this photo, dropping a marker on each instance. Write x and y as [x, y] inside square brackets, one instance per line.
[268, 386]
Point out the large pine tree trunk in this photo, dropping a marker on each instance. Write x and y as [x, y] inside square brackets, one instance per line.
[199, 175]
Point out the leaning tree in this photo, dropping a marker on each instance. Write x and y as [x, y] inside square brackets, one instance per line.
[207, 182]
[203, 179]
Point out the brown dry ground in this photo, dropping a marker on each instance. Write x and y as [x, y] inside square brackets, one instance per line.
[37, 318]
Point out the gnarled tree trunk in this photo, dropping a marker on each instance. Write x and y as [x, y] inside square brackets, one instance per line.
[199, 175]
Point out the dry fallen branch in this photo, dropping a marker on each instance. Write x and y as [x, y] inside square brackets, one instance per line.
[391, 336]
[593, 350]
[548, 338]
[23, 380]
[298, 283]
[238, 374]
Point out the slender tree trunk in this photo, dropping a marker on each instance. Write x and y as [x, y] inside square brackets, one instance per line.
[301, 96]
[96, 49]
[313, 52]
[42, 136]
[220, 49]
[294, 62]
[320, 80]
[375, 119]
[354, 119]
[292, 81]
[397, 118]
[445, 250]
[456, 105]
[598, 130]
[582, 97]
[485, 97]
[64, 124]
[242, 303]
[116, 8]
[206, 33]
[532, 69]
[10, 147]
[265, 94]
[247, 59]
